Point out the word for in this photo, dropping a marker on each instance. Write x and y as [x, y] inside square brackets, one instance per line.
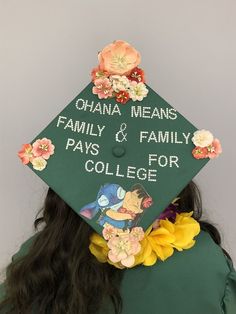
[129, 172]
[80, 126]
[164, 137]
[83, 147]
[150, 113]
[163, 160]
[103, 109]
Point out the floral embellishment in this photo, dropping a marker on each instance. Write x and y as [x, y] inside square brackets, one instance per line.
[43, 148]
[37, 154]
[137, 91]
[39, 163]
[26, 154]
[214, 149]
[123, 248]
[122, 97]
[97, 73]
[206, 145]
[102, 88]
[119, 58]
[137, 75]
[202, 138]
[119, 83]
[117, 72]
[134, 247]
[109, 232]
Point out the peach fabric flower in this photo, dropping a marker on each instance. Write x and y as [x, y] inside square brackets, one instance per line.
[138, 233]
[109, 232]
[98, 73]
[123, 248]
[26, 154]
[119, 58]
[102, 88]
[43, 148]
[214, 149]
[200, 152]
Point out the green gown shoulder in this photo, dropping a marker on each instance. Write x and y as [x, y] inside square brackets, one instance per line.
[24, 248]
[199, 280]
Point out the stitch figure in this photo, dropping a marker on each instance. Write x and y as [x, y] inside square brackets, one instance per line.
[109, 199]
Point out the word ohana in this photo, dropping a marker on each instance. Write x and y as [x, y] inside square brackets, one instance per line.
[94, 107]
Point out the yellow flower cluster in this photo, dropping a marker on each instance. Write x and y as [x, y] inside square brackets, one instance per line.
[157, 244]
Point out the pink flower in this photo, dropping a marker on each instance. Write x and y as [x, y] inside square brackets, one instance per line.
[123, 248]
[138, 233]
[214, 149]
[109, 232]
[98, 73]
[200, 152]
[26, 154]
[43, 148]
[119, 58]
[102, 88]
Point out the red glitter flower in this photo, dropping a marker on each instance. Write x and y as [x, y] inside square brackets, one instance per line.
[122, 97]
[137, 75]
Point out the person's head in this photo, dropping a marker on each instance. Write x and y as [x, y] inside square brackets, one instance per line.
[59, 274]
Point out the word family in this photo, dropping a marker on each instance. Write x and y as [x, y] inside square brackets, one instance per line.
[94, 107]
[80, 126]
[150, 113]
[129, 172]
[164, 137]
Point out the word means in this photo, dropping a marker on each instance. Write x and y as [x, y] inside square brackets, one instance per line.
[153, 112]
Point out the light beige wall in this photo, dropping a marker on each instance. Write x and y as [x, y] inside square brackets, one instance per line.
[47, 49]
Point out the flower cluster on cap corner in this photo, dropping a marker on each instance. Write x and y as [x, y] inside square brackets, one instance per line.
[37, 154]
[118, 75]
[206, 145]
[128, 248]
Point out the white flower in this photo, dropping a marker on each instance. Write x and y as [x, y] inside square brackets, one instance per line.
[119, 83]
[137, 91]
[39, 163]
[202, 138]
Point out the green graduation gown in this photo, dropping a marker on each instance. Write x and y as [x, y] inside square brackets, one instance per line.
[200, 280]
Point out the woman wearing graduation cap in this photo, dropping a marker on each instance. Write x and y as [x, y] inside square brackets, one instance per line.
[121, 220]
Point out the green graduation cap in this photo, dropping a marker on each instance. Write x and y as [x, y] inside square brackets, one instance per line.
[118, 154]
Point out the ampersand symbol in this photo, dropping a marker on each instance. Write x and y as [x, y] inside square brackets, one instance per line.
[120, 133]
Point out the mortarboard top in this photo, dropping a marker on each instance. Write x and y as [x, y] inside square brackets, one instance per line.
[118, 161]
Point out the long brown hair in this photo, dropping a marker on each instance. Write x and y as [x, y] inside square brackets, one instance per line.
[59, 274]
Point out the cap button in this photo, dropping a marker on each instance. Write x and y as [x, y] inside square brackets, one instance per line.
[118, 151]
